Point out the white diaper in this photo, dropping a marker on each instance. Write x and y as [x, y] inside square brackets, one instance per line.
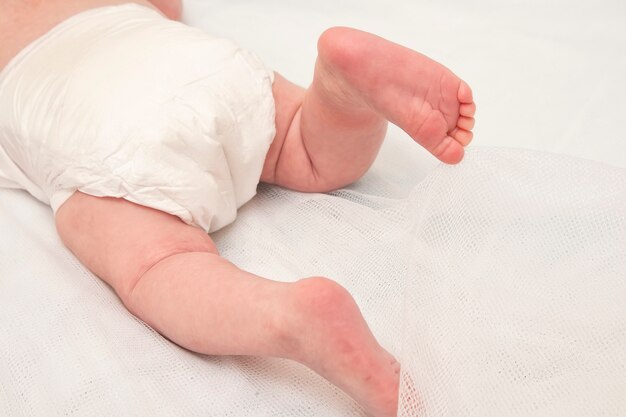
[121, 102]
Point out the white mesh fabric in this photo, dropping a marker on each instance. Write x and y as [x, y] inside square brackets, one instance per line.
[500, 285]
[516, 296]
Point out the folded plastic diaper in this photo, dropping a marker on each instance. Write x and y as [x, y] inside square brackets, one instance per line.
[121, 102]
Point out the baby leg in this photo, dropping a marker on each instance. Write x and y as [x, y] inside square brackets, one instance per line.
[328, 135]
[171, 276]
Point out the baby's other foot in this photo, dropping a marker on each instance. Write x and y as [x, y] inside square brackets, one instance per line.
[421, 96]
[330, 336]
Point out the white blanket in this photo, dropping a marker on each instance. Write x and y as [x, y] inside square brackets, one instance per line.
[498, 283]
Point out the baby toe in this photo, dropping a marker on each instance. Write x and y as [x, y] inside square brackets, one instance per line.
[462, 136]
[465, 123]
[465, 93]
[449, 151]
[467, 109]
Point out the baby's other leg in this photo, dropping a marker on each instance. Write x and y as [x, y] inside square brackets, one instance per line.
[328, 135]
[170, 275]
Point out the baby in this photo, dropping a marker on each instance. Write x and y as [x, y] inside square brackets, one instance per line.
[144, 134]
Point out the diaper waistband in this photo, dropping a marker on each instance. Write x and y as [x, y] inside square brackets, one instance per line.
[114, 15]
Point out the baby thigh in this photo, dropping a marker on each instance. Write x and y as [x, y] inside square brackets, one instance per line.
[170, 275]
[120, 241]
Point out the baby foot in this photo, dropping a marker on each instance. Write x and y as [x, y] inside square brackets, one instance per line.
[330, 336]
[421, 96]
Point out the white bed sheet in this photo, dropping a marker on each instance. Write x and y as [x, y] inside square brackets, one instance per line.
[546, 75]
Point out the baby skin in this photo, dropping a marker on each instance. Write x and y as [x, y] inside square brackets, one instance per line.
[171, 275]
